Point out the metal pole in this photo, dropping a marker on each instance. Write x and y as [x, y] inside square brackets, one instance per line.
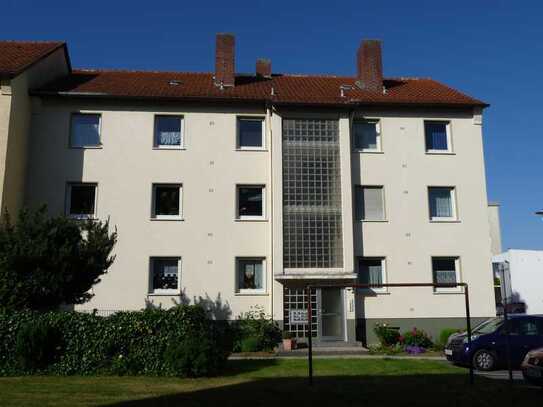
[468, 327]
[309, 337]
[507, 341]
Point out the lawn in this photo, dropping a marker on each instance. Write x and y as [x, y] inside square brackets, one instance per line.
[338, 382]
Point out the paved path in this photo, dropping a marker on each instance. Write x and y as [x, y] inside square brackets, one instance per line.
[335, 356]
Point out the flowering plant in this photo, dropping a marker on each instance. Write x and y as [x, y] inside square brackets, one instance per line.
[414, 350]
[417, 337]
[388, 336]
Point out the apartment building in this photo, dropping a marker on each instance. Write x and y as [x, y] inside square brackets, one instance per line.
[242, 189]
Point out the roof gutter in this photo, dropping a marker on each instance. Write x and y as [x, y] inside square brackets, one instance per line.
[348, 104]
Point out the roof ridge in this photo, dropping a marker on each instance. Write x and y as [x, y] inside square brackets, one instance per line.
[277, 74]
[137, 71]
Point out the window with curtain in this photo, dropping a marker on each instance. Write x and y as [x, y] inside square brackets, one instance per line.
[250, 275]
[436, 134]
[164, 275]
[85, 130]
[366, 135]
[81, 200]
[168, 131]
[369, 203]
[250, 133]
[371, 271]
[166, 201]
[444, 270]
[442, 205]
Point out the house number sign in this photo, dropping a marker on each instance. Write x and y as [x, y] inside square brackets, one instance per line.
[298, 316]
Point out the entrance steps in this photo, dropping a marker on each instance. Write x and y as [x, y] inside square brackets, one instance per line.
[328, 349]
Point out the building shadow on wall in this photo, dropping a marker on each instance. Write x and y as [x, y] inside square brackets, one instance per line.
[217, 309]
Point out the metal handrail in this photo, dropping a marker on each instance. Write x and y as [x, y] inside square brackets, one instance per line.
[309, 287]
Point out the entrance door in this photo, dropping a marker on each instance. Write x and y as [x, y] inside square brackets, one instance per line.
[332, 319]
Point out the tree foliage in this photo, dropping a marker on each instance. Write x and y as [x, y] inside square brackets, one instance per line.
[48, 261]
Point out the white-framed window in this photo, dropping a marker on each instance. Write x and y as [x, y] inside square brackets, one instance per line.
[250, 275]
[85, 130]
[442, 203]
[166, 203]
[81, 200]
[169, 132]
[165, 275]
[251, 202]
[251, 133]
[437, 136]
[372, 270]
[369, 203]
[367, 135]
[446, 270]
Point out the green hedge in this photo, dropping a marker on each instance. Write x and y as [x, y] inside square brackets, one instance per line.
[135, 343]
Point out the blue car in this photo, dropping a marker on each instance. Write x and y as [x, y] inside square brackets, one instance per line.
[489, 343]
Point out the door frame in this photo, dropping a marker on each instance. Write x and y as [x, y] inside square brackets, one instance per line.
[342, 337]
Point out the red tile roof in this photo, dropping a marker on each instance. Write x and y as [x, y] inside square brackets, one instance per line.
[280, 89]
[16, 56]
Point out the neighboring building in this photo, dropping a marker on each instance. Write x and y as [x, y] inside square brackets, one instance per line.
[495, 228]
[520, 274]
[244, 188]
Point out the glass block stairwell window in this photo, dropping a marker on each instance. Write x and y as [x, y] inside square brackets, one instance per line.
[312, 234]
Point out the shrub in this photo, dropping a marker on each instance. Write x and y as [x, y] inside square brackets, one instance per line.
[417, 337]
[37, 345]
[194, 357]
[445, 333]
[48, 261]
[134, 343]
[249, 344]
[256, 324]
[388, 336]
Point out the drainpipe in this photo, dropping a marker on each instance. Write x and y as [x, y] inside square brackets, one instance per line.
[269, 108]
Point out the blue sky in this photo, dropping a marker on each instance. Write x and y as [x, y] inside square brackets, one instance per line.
[491, 49]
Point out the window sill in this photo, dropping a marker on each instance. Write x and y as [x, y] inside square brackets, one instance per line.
[250, 220]
[368, 292]
[457, 292]
[357, 151]
[437, 152]
[83, 217]
[168, 219]
[172, 294]
[251, 294]
[169, 148]
[100, 147]
[262, 150]
[445, 221]
[372, 220]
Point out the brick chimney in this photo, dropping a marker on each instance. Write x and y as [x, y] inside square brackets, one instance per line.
[370, 66]
[263, 68]
[225, 60]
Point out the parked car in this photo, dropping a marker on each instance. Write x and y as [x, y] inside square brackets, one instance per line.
[532, 367]
[489, 343]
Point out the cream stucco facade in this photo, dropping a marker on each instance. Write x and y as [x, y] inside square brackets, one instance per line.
[209, 238]
[39, 164]
[15, 118]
